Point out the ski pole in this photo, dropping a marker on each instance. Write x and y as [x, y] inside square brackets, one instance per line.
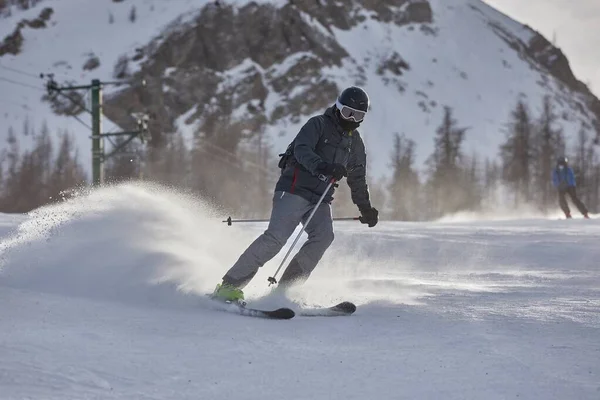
[230, 221]
[272, 279]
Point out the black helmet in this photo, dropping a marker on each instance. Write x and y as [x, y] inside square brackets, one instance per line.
[355, 98]
[562, 161]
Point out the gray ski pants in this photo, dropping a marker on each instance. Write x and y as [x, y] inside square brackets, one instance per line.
[288, 211]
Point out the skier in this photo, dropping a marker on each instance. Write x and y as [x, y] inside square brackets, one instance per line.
[327, 147]
[563, 179]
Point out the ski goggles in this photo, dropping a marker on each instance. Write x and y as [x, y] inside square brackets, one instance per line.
[350, 113]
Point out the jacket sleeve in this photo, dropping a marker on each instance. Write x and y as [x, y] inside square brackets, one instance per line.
[357, 174]
[555, 181]
[306, 142]
[570, 177]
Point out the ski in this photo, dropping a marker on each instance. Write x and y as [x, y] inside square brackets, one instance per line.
[242, 309]
[339, 310]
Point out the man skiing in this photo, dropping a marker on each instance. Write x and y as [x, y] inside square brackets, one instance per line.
[563, 179]
[327, 147]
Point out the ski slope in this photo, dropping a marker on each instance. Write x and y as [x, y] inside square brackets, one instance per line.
[102, 298]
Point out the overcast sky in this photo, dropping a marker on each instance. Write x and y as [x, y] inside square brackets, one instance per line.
[576, 24]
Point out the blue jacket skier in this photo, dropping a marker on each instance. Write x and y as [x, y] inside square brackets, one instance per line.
[563, 179]
[328, 146]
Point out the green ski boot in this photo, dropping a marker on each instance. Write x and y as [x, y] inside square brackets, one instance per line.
[228, 293]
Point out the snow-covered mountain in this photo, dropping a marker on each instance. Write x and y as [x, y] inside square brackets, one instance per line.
[225, 69]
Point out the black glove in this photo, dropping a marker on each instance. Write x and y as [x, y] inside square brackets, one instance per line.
[336, 171]
[369, 215]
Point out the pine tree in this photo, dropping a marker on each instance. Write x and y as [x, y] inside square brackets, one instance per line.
[517, 153]
[170, 163]
[405, 187]
[583, 164]
[11, 182]
[219, 176]
[32, 178]
[27, 131]
[30, 185]
[2, 188]
[256, 156]
[178, 160]
[549, 145]
[378, 190]
[13, 154]
[132, 14]
[125, 164]
[473, 186]
[67, 173]
[492, 175]
[594, 200]
[42, 155]
[492, 194]
[446, 184]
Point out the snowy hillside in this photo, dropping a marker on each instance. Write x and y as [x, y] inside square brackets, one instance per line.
[414, 58]
[103, 297]
[63, 47]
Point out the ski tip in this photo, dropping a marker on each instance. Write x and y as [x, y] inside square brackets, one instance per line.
[282, 313]
[346, 307]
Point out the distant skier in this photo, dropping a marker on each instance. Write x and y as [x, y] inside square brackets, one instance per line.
[328, 146]
[563, 179]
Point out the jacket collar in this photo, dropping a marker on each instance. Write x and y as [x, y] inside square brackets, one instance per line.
[330, 113]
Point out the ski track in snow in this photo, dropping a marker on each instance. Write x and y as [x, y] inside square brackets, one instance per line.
[103, 297]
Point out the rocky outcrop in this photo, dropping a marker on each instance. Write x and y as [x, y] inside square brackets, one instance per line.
[554, 60]
[543, 55]
[284, 52]
[92, 63]
[12, 43]
[235, 69]
[7, 5]
[419, 12]
[394, 64]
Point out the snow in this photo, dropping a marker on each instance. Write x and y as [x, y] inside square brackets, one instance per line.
[313, 22]
[233, 76]
[283, 67]
[103, 298]
[169, 71]
[187, 129]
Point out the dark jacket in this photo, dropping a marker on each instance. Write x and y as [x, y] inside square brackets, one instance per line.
[321, 139]
[563, 178]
